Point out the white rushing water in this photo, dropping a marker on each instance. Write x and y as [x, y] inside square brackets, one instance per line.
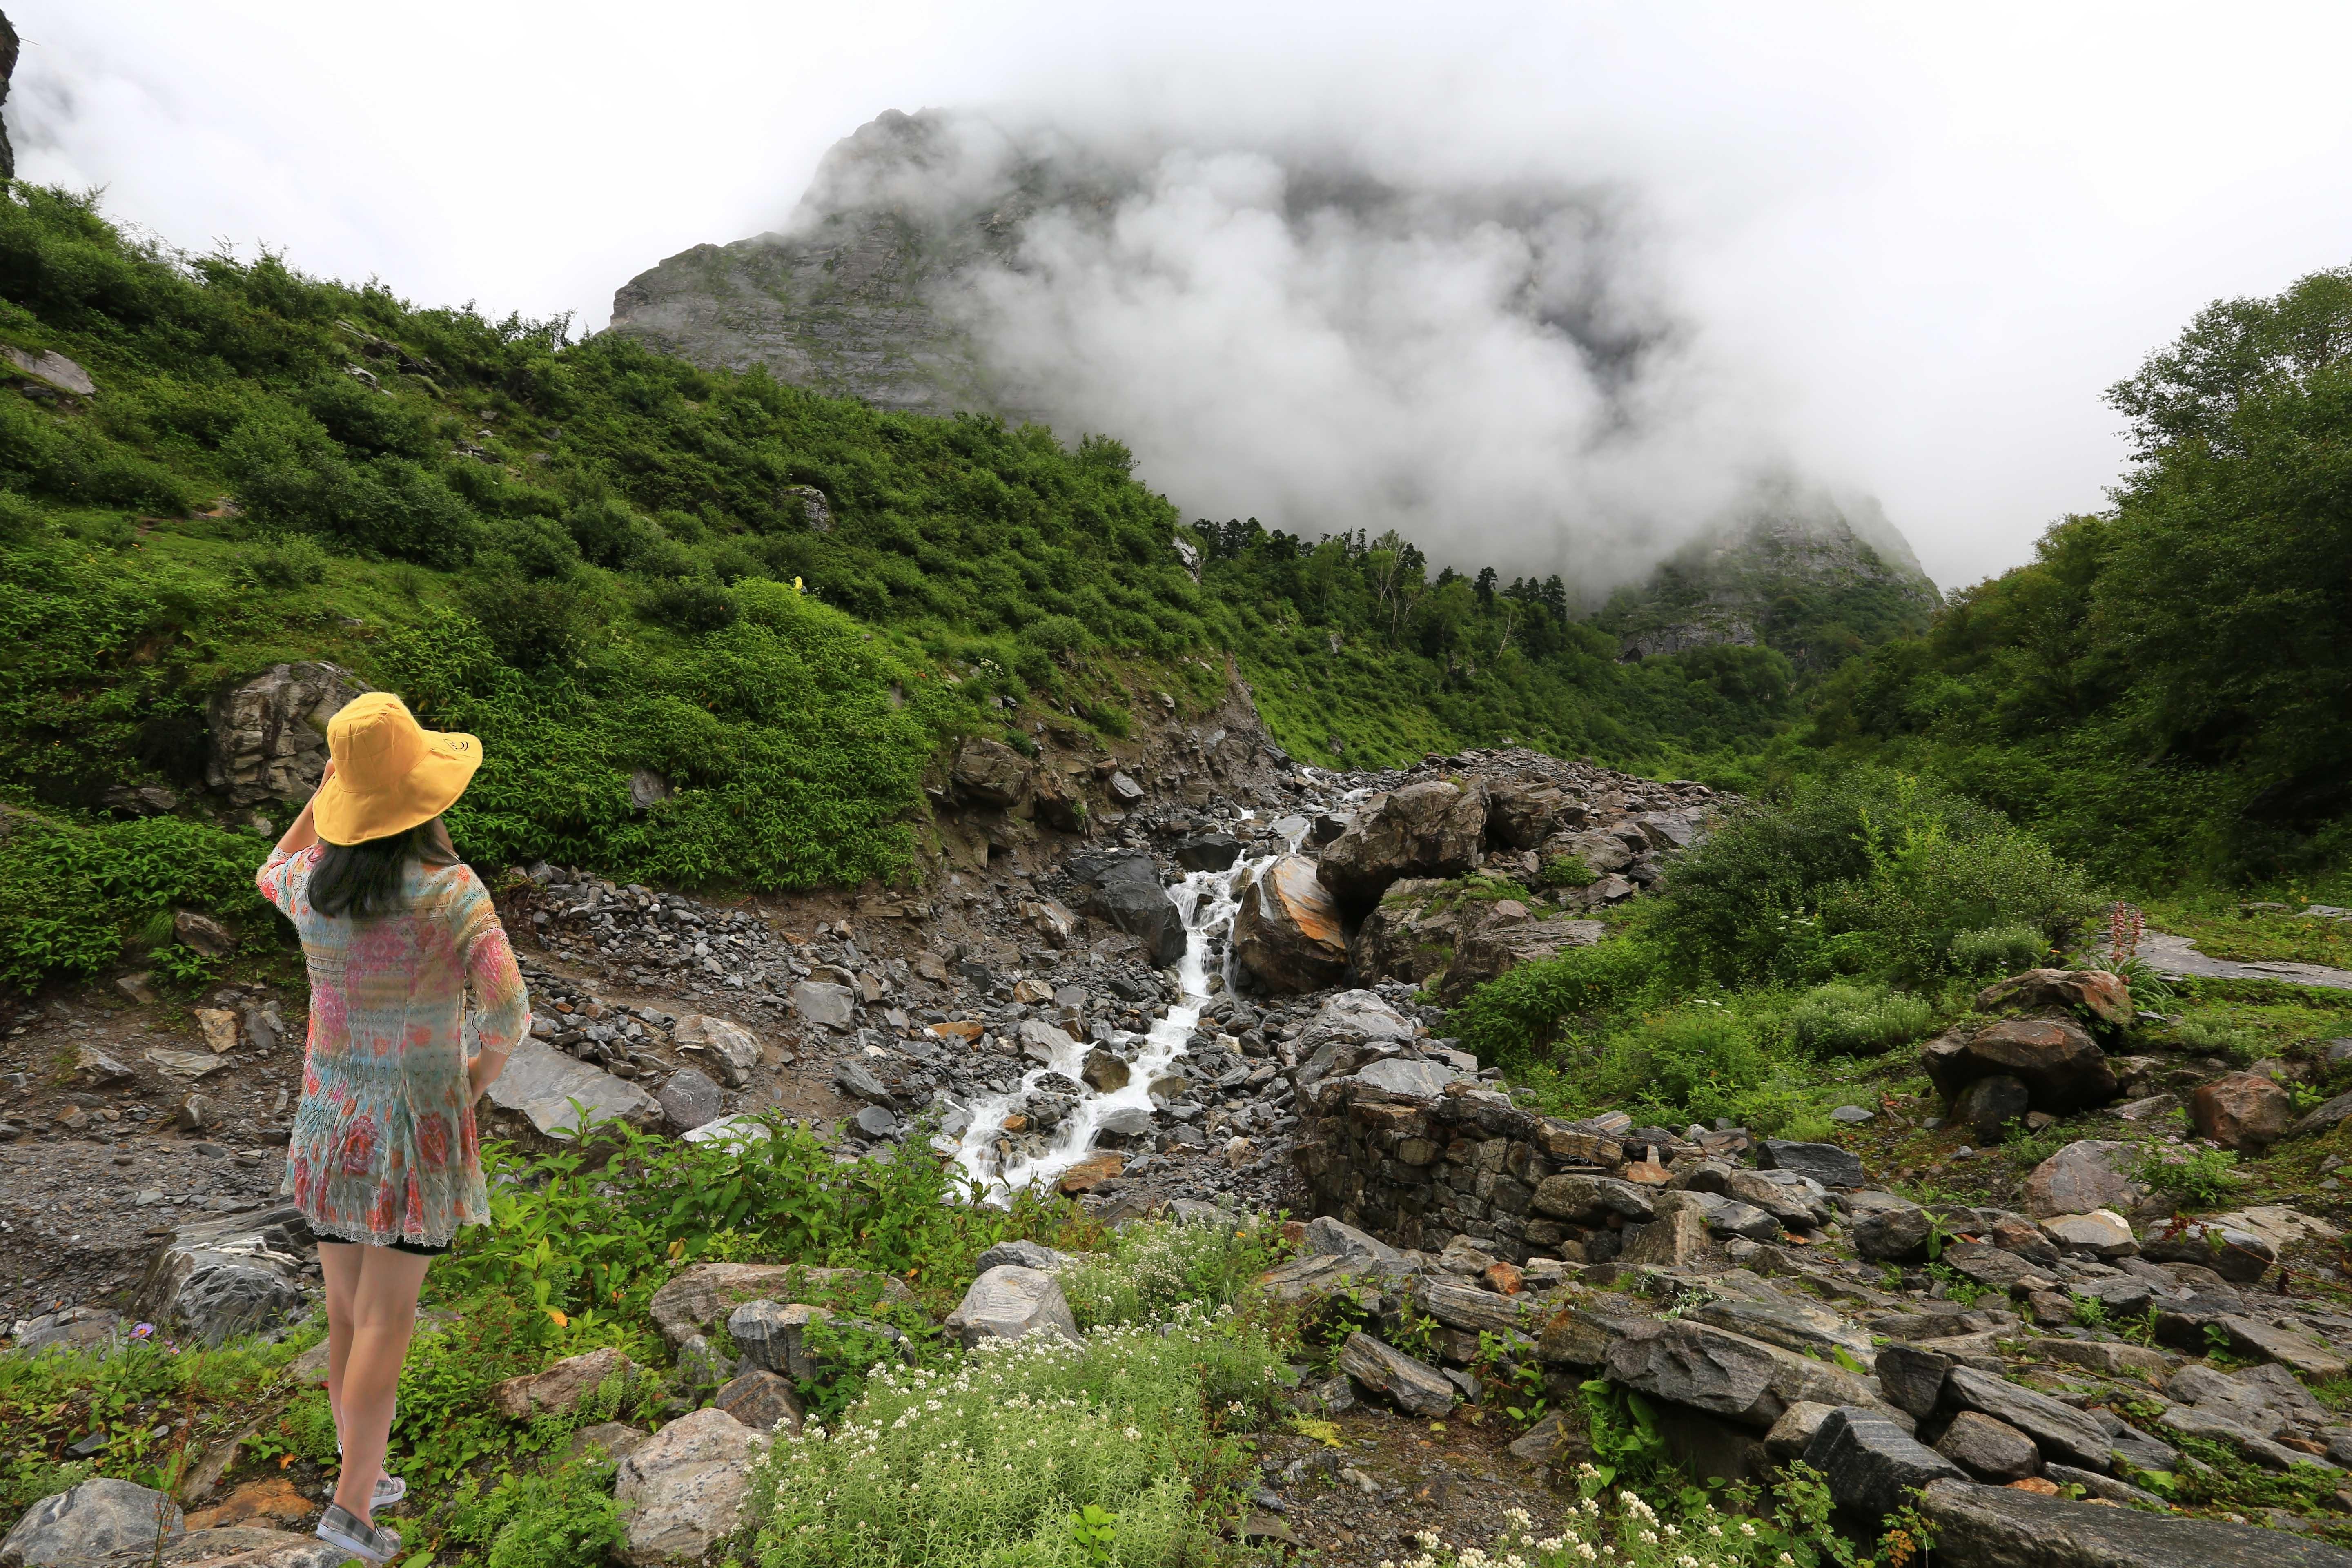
[1207, 900]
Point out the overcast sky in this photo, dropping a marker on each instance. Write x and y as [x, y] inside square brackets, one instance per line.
[1925, 238]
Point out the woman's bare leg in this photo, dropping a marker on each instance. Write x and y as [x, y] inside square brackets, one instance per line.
[383, 1313]
[339, 1262]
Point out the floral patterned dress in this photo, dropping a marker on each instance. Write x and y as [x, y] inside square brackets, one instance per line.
[383, 1147]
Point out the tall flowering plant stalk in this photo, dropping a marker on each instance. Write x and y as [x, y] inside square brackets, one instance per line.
[2126, 924]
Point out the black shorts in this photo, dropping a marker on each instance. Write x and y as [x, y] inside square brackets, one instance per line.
[417, 1250]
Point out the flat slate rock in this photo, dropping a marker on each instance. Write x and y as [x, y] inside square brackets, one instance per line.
[1996, 1527]
[540, 1082]
[1825, 1163]
[1412, 1386]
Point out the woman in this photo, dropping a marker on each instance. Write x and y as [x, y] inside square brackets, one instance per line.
[382, 1159]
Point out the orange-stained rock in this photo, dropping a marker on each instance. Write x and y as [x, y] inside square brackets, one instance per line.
[1286, 932]
[2241, 1110]
[2094, 991]
[960, 1028]
[1506, 1278]
[272, 1499]
[1091, 1172]
[2041, 1484]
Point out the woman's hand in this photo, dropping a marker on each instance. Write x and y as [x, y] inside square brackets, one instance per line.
[482, 1071]
[303, 833]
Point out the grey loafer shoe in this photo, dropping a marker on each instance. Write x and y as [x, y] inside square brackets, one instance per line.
[341, 1528]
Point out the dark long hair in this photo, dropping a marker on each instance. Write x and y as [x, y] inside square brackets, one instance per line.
[365, 880]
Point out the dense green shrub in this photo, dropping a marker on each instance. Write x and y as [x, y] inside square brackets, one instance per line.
[1566, 871]
[2159, 692]
[1868, 871]
[1151, 1270]
[1859, 1020]
[2004, 949]
[1510, 1020]
[71, 895]
[280, 563]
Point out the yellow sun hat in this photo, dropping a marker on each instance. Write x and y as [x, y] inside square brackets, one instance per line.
[391, 773]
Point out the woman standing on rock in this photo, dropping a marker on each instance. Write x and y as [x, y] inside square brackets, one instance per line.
[382, 1159]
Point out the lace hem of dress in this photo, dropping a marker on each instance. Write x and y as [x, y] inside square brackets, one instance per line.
[359, 1234]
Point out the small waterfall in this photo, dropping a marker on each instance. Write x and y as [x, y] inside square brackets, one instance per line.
[1207, 900]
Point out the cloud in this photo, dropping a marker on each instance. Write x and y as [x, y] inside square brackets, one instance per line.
[1278, 325]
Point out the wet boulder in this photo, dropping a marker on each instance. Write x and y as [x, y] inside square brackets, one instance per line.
[1122, 886]
[1286, 932]
[1521, 816]
[2094, 994]
[1209, 852]
[991, 772]
[2063, 1068]
[1431, 829]
[2241, 1110]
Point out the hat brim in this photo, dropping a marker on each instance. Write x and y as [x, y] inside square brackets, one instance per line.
[345, 815]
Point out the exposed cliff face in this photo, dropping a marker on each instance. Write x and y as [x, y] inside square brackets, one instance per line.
[848, 298]
[1813, 576]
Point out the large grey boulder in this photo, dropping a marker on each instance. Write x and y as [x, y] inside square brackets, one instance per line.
[774, 1336]
[689, 1100]
[1009, 1302]
[1027, 1255]
[991, 772]
[97, 1519]
[683, 1488]
[824, 1002]
[1725, 1373]
[1998, 1527]
[1895, 1234]
[1590, 1200]
[542, 1084]
[216, 1278]
[2081, 1177]
[1912, 1377]
[1991, 1449]
[1825, 1163]
[1433, 829]
[268, 736]
[2063, 1068]
[727, 1048]
[1286, 932]
[1122, 886]
[1871, 1464]
[1327, 1237]
[1382, 1370]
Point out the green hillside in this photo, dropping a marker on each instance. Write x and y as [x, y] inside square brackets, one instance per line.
[601, 560]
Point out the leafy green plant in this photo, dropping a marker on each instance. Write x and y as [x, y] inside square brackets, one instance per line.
[1154, 1268]
[1999, 949]
[1859, 1020]
[2199, 1177]
[555, 1517]
[1566, 871]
